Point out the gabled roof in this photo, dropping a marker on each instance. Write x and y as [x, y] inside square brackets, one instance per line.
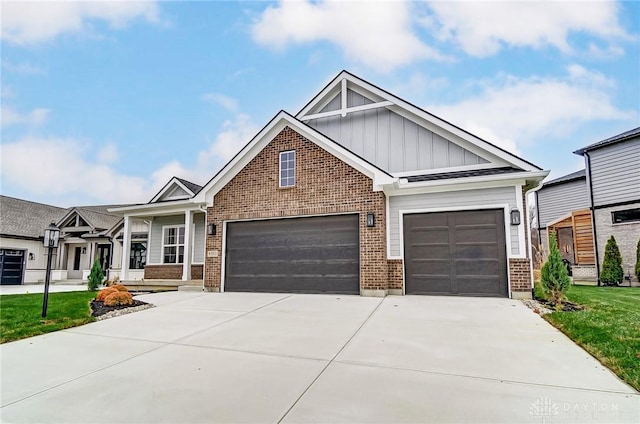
[190, 188]
[23, 218]
[273, 128]
[97, 217]
[574, 176]
[383, 98]
[611, 140]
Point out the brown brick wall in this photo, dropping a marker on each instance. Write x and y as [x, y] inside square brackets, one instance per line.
[170, 272]
[324, 185]
[395, 273]
[520, 274]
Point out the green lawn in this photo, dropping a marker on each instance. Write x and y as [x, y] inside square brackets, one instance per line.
[20, 314]
[609, 328]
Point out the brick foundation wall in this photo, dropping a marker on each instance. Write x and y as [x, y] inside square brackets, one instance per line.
[324, 185]
[520, 275]
[163, 272]
[170, 272]
[395, 273]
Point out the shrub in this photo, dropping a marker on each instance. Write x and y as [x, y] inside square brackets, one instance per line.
[638, 261]
[102, 294]
[119, 287]
[611, 273]
[554, 275]
[96, 276]
[118, 299]
[112, 282]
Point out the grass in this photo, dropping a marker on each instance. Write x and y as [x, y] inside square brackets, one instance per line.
[20, 314]
[609, 328]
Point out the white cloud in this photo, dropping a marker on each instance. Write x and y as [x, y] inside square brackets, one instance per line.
[34, 118]
[377, 34]
[26, 22]
[514, 111]
[22, 68]
[229, 103]
[108, 153]
[483, 28]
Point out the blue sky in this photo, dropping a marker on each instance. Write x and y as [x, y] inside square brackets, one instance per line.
[104, 102]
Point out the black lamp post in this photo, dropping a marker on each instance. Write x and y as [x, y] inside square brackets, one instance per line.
[51, 237]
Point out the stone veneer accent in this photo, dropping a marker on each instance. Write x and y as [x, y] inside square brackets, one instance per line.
[324, 185]
[170, 272]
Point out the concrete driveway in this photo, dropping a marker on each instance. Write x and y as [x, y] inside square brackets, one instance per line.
[262, 358]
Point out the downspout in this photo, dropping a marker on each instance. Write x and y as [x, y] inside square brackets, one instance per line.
[593, 217]
[204, 262]
[529, 248]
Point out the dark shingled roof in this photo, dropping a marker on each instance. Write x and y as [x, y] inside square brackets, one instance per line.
[578, 175]
[462, 174]
[611, 140]
[26, 219]
[195, 188]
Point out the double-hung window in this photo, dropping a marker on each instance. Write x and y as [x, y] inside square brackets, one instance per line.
[288, 168]
[173, 244]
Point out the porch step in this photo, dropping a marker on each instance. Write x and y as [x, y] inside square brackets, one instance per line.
[154, 285]
[190, 288]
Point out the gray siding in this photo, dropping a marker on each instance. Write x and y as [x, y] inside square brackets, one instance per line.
[557, 201]
[452, 199]
[155, 245]
[392, 142]
[615, 172]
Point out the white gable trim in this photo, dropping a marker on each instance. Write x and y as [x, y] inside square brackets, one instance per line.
[264, 137]
[170, 187]
[449, 131]
[69, 214]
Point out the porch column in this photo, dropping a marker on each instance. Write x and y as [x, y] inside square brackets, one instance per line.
[186, 262]
[126, 249]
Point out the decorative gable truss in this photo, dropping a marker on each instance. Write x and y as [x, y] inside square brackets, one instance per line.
[176, 189]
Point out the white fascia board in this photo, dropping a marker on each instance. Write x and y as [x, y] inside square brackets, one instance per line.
[267, 134]
[465, 183]
[158, 209]
[167, 186]
[325, 96]
[443, 170]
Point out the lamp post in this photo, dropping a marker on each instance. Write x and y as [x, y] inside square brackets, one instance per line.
[51, 237]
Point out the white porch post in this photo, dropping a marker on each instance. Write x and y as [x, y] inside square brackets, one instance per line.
[186, 263]
[126, 249]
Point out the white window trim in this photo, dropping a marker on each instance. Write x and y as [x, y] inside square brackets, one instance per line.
[280, 169]
[177, 245]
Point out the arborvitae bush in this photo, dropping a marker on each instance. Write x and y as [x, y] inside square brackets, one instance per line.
[638, 260]
[554, 275]
[96, 276]
[611, 273]
[118, 299]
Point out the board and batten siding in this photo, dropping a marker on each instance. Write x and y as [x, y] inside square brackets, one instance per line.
[560, 200]
[449, 201]
[390, 141]
[615, 173]
[155, 244]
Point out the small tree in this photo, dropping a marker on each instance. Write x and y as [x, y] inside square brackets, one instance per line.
[554, 275]
[638, 261]
[96, 276]
[611, 273]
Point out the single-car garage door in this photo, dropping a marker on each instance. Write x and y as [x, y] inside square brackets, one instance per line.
[11, 266]
[456, 253]
[295, 255]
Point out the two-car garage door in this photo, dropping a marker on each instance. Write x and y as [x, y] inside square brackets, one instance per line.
[456, 253]
[294, 255]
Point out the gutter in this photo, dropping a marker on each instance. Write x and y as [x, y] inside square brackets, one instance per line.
[593, 216]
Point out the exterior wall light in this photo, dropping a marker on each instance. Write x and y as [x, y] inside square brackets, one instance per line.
[371, 219]
[211, 229]
[515, 216]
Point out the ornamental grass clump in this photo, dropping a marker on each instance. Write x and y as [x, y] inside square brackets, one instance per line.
[119, 298]
[612, 273]
[102, 294]
[554, 275]
[119, 287]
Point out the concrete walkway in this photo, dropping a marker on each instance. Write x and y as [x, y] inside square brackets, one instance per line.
[263, 358]
[39, 288]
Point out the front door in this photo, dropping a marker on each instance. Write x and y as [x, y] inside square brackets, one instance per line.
[75, 271]
[565, 243]
[104, 256]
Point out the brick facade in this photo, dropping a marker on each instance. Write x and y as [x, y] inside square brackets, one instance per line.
[395, 274]
[170, 272]
[520, 276]
[324, 185]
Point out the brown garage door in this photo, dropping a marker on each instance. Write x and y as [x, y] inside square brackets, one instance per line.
[456, 253]
[297, 255]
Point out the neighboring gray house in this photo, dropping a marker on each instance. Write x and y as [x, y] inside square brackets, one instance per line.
[613, 182]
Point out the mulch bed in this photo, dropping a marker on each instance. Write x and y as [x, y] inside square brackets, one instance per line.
[566, 306]
[98, 308]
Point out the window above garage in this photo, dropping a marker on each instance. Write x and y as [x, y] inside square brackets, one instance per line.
[288, 168]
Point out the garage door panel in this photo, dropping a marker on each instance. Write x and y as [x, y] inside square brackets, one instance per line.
[300, 255]
[11, 266]
[468, 257]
